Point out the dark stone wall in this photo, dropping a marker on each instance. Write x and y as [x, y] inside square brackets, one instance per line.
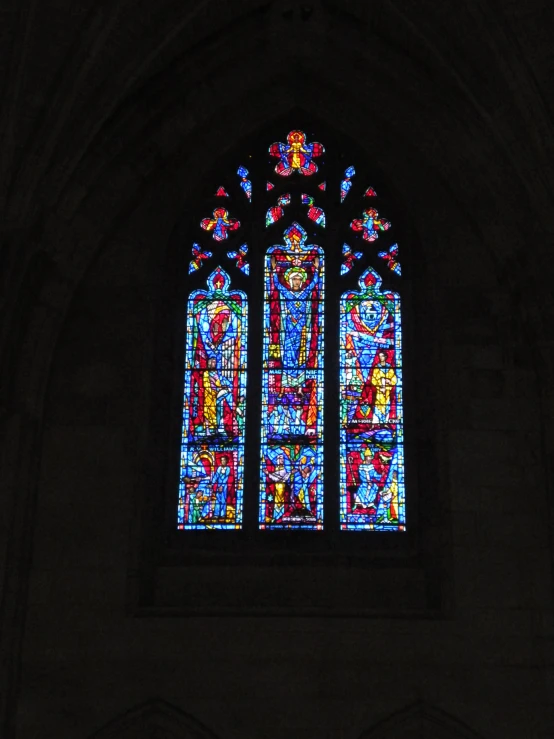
[111, 114]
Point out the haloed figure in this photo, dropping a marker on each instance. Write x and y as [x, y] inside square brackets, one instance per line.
[296, 313]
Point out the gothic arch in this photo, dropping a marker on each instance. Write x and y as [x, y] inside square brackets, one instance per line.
[49, 269]
[154, 719]
[420, 721]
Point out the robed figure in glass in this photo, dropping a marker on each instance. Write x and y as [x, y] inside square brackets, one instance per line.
[292, 389]
[371, 453]
[212, 448]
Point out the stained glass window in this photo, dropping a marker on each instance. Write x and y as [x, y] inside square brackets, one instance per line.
[241, 255]
[346, 184]
[318, 266]
[245, 183]
[371, 448]
[292, 385]
[276, 212]
[198, 257]
[214, 408]
[349, 258]
[220, 224]
[296, 155]
[315, 214]
[391, 258]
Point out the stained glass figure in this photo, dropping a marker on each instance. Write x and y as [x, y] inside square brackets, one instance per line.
[391, 258]
[198, 256]
[214, 407]
[245, 183]
[346, 184]
[370, 224]
[371, 449]
[296, 155]
[372, 494]
[220, 224]
[291, 494]
[349, 258]
[241, 255]
[315, 214]
[276, 211]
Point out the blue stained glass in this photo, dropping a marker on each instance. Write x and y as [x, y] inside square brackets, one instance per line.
[371, 453]
[370, 225]
[219, 224]
[349, 257]
[241, 255]
[346, 184]
[296, 155]
[245, 183]
[198, 257]
[291, 494]
[214, 408]
[391, 258]
[372, 492]
[276, 212]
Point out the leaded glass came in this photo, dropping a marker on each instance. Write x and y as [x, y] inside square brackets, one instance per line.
[214, 408]
[308, 259]
[292, 385]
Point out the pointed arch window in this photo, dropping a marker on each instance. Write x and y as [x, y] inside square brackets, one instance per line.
[293, 418]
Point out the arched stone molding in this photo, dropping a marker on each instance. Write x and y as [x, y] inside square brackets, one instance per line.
[92, 156]
[154, 719]
[89, 155]
[251, 24]
[420, 721]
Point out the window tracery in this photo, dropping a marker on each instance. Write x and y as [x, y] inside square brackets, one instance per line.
[307, 289]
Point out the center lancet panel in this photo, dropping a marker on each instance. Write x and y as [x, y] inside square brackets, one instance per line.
[291, 494]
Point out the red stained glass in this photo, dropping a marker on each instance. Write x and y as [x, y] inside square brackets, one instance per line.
[296, 155]
[241, 255]
[291, 494]
[214, 408]
[370, 225]
[391, 258]
[198, 257]
[220, 224]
